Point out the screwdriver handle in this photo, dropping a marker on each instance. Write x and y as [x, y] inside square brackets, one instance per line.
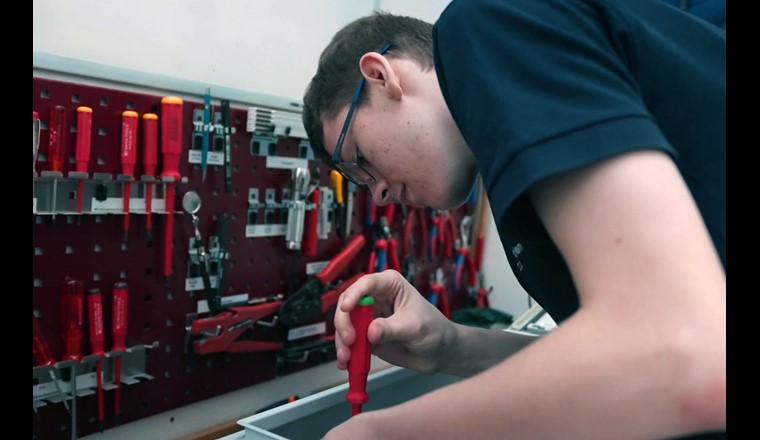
[309, 246]
[129, 120]
[119, 325]
[84, 135]
[150, 143]
[337, 182]
[72, 319]
[40, 346]
[57, 138]
[361, 351]
[95, 316]
[171, 136]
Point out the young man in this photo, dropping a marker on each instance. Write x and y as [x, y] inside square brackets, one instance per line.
[598, 127]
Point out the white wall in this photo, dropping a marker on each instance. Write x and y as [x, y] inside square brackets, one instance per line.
[265, 46]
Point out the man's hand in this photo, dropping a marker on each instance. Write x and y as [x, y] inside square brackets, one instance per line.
[408, 331]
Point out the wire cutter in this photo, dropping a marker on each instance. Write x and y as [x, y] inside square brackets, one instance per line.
[464, 261]
[437, 295]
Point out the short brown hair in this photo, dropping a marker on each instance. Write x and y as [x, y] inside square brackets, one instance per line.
[338, 73]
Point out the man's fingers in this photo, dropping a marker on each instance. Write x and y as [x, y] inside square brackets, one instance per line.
[383, 286]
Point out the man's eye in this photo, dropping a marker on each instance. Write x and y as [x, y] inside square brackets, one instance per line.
[359, 157]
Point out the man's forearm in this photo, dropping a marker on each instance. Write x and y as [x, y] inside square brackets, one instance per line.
[476, 349]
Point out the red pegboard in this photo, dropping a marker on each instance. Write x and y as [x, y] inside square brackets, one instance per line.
[89, 247]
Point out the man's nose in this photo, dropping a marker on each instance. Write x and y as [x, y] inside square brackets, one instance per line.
[381, 192]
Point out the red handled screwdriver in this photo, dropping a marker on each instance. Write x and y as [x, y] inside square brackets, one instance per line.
[128, 158]
[72, 319]
[40, 347]
[311, 217]
[150, 158]
[119, 333]
[361, 351]
[95, 315]
[82, 152]
[57, 138]
[171, 149]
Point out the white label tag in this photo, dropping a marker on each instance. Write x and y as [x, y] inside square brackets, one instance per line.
[196, 283]
[307, 330]
[265, 230]
[213, 157]
[202, 306]
[315, 267]
[286, 162]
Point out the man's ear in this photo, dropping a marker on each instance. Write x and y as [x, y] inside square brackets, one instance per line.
[378, 72]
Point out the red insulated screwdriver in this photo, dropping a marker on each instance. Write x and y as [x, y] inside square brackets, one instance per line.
[128, 158]
[40, 347]
[150, 158]
[171, 149]
[361, 351]
[57, 138]
[119, 333]
[309, 246]
[95, 315]
[72, 319]
[82, 153]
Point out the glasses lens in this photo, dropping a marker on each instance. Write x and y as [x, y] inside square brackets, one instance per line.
[355, 173]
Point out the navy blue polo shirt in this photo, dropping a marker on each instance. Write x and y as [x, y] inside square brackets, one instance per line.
[542, 87]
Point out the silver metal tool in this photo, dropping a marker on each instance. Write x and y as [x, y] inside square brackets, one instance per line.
[191, 203]
[297, 208]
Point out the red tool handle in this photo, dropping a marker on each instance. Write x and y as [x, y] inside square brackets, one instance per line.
[40, 347]
[57, 138]
[128, 142]
[119, 323]
[72, 319]
[150, 143]
[95, 316]
[309, 245]
[171, 135]
[84, 135]
[361, 352]
[339, 262]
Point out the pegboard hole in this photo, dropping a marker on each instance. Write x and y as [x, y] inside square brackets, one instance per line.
[98, 248]
[39, 220]
[101, 160]
[146, 325]
[148, 271]
[169, 323]
[96, 277]
[168, 348]
[169, 296]
[123, 275]
[250, 261]
[64, 428]
[37, 282]
[101, 131]
[253, 168]
[69, 249]
[148, 298]
[123, 246]
[75, 98]
[38, 251]
[103, 102]
[144, 404]
[234, 216]
[130, 105]
[98, 219]
[44, 94]
[249, 286]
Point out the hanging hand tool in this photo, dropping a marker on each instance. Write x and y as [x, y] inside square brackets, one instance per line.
[42, 357]
[384, 254]
[95, 314]
[57, 138]
[119, 334]
[223, 255]
[35, 139]
[128, 159]
[191, 203]
[228, 130]
[437, 295]
[205, 134]
[297, 208]
[72, 318]
[464, 261]
[361, 353]
[349, 211]
[82, 153]
[311, 218]
[339, 215]
[171, 149]
[150, 158]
